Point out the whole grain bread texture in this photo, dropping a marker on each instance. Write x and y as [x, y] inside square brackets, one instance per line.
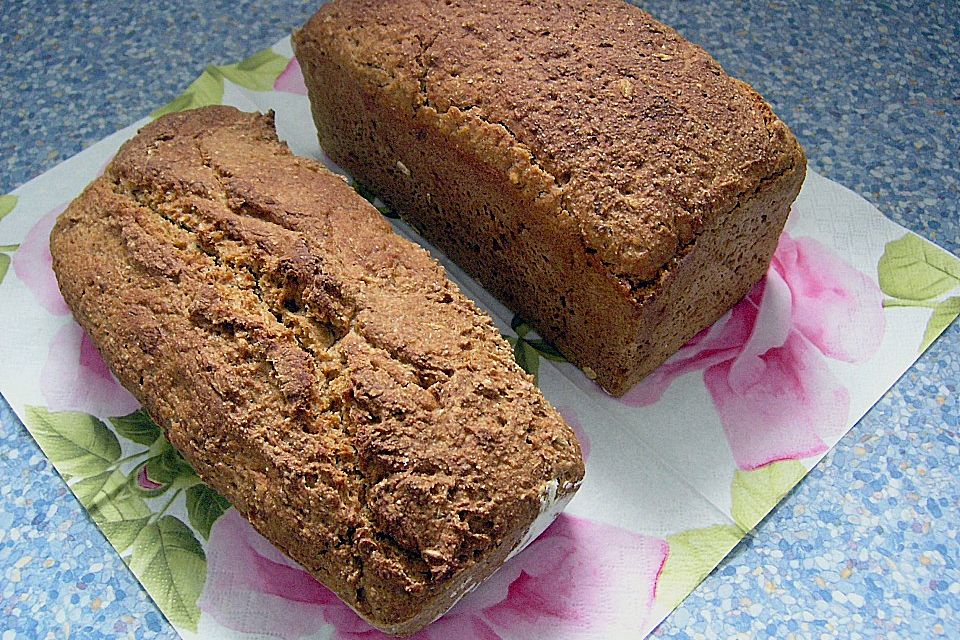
[598, 173]
[315, 368]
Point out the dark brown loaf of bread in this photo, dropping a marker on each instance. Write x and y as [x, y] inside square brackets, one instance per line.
[599, 174]
[318, 370]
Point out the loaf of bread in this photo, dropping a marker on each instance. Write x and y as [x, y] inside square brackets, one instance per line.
[598, 173]
[315, 368]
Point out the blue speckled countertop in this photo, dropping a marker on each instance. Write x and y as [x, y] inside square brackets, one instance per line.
[865, 547]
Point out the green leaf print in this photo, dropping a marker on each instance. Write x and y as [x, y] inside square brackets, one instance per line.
[119, 513]
[4, 266]
[204, 507]
[914, 272]
[547, 350]
[257, 73]
[124, 532]
[755, 493]
[94, 491]
[171, 564]
[76, 443]
[372, 198]
[171, 469]
[165, 467]
[123, 505]
[693, 555]
[527, 352]
[943, 314]
[137, 427]
[913, 269]
[4, 249]
[526, 357]
[7, 204]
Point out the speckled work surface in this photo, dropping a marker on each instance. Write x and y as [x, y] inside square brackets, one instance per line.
[865, 547]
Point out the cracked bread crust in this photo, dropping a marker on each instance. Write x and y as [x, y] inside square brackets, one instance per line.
[591, 125]
[318, 370]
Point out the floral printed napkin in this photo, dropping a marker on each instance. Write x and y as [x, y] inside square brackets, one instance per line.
[678, 470]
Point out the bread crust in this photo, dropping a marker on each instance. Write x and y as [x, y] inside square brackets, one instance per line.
[315, 368]
[571, 157]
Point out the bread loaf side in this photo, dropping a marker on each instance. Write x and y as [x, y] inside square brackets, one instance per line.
[598, 173]
[315, 368]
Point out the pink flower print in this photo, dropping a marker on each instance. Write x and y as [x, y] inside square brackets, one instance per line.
[577, 580]
[290, 79]
[784, 410]
[765, 363]
[75, 377]
[580, 579]
[33, 262]
[33, 265]
[836, 307]
[252, 587]
[144, 481]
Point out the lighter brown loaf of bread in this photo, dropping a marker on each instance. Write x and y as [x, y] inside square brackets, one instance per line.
[599, 174]
[318, 370]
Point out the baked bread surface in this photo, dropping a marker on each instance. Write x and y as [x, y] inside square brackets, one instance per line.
[315, 368]
[601, 175]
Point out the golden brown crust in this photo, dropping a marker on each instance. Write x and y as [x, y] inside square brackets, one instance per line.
[589, 124]
[317, 369]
